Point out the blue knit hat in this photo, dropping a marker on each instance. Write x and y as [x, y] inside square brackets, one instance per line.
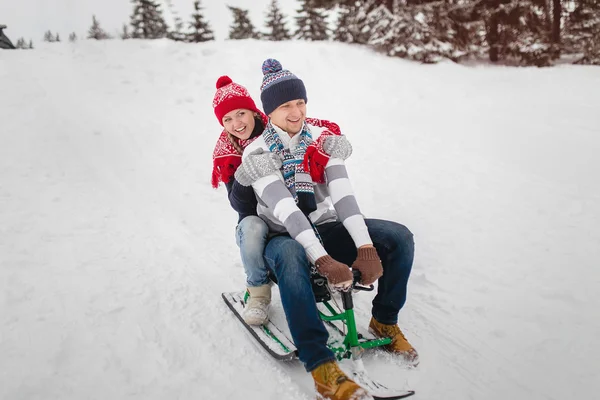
[279, 86]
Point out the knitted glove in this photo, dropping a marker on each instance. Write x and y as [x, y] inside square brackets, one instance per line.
[337, 274]
[256, 165]
[337, 147]
[315, 162]
[369, 265]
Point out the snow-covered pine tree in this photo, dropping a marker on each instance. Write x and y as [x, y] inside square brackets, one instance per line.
[176, 33]
[378, 26]
[311, 21]
[275, 23]
[408, 34]
[96, 32]
[147, 21]
[352, 24]
[519, 30]
[329, 4]
[30, 44]
[342, 33]
[48, 37]
[201, 31]
[125, 32]
[57, 38]
[242, 27]
[21, 44]
[582, 33]
[466, 28]
[73, 37]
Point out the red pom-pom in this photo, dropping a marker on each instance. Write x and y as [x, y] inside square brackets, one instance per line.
[222, 81]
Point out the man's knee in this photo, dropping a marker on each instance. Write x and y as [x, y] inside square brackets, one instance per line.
[401, 234]
[390, 235]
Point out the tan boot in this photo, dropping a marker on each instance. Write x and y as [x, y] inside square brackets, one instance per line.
[257, 307]
[399, 344]
[332, 384]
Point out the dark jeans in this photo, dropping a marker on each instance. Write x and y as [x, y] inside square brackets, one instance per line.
[287, 259]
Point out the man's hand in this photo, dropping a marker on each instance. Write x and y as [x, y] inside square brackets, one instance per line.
[338, 275]
[369, 265]
[256, 165]
[337, 147]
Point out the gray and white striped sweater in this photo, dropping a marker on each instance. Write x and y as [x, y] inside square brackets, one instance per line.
[335, 201]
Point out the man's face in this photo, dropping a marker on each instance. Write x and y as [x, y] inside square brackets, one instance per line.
[290, 116]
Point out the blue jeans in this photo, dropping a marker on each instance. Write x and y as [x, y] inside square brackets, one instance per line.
[287, 259]
[251, 237]
[396, 249]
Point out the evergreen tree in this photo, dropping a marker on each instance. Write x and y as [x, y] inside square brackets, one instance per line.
[583, 32]
[177, 32]
[96, 32]
[275, 24]
[342, 33]
[21, 44]
[48, 37]
[201, 29]
[353, 25]
[73, 37]
[57, 39]
[242, 27]
[311, 21]
[125, 33]
[526, 32]
[518, 30]
[31, 44]
[147, 20]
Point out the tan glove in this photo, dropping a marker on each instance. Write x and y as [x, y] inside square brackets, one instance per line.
[338, 275]
[369, 265]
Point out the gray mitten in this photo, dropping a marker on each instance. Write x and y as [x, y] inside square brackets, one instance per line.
[256, 165]
[337, 147]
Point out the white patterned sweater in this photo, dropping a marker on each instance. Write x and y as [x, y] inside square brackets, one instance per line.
[335, 201]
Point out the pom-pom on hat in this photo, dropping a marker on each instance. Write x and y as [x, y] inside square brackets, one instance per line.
[279, 86]
[231, 96]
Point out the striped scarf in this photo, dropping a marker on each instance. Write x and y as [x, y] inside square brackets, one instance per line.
[297, 179]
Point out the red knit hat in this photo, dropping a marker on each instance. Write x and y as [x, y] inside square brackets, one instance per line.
[231, 96]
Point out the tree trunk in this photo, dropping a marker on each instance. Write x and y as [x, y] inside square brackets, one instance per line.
[390, 5]
[492, 37]
[556, 14]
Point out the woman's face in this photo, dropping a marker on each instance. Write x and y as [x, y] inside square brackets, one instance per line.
[239, 122]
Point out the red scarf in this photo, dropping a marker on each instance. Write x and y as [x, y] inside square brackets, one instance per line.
[226, 158]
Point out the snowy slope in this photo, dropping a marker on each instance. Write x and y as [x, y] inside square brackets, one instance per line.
[114, 248]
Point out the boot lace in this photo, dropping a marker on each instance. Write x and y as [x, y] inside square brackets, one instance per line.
[392, 331]
[334, 374]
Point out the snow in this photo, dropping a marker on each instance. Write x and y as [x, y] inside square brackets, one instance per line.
[114, 248]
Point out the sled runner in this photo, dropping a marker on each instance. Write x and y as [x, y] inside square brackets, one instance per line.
[345, 341]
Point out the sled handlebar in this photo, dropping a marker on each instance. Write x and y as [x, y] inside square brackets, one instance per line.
[356, 282]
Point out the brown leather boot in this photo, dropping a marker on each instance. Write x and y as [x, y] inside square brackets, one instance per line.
[333, 384]
[399, 344]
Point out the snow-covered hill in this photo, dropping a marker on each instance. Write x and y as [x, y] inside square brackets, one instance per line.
[114, 248]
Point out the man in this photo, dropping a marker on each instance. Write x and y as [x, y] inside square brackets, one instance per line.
[297, 170]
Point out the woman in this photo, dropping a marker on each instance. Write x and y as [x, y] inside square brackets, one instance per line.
[243, 122]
